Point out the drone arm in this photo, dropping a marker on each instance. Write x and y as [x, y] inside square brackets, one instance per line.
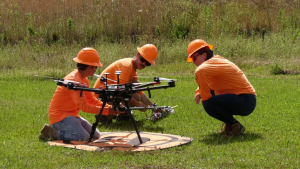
[152, 88]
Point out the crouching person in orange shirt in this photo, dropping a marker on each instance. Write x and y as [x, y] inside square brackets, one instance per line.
[144, 57]
[222, 87]
[65, 105]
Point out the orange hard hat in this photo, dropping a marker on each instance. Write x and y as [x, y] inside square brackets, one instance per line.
[148, 52]
[88, 56]
[194, 46]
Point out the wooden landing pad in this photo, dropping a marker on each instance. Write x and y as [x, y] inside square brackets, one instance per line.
[126, 141]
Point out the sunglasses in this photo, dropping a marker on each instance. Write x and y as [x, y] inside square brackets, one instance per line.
[144, 60]
[195, 56]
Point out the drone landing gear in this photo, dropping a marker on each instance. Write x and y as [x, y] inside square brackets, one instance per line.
[133, 122]
[130, 116]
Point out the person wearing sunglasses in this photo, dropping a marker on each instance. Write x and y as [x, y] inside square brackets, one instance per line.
[223, 88]
[144, 57]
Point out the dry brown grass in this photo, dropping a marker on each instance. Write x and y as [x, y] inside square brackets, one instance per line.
[86, 21]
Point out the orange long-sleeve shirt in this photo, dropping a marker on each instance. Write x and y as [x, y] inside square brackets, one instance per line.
[128, 73]
[222, 76]
[67, 102]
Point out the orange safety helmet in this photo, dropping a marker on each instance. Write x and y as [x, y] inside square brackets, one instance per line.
[88, 56]
[149, 52]
[194, 46]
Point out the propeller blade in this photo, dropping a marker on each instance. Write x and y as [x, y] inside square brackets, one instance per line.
[62, 80]
[47, 77]
[99, 76]
[160, 78]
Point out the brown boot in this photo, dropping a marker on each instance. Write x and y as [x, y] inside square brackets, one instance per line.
[237, 128]
[48, 132]
[234, 129]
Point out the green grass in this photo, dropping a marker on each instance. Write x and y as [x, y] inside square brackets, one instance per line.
[271, 139]
[42, 37]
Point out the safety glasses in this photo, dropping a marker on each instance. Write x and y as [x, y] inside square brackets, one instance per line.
[144, 60]
[195, 56]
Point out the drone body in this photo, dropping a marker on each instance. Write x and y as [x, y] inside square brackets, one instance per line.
[118, 94]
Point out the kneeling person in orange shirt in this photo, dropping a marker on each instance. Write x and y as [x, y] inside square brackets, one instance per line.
[145, 56]
[65, 104]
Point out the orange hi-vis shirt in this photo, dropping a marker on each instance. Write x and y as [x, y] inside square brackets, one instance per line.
[222, 76]
[128, 73]
[66, 102]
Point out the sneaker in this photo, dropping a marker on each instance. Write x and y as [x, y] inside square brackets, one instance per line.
[234, 129]
[48, 132]
[156, 116]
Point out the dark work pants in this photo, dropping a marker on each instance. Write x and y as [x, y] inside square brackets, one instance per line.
[223, 107]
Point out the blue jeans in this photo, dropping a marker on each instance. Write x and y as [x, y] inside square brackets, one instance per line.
[74, 129]
[223, 107]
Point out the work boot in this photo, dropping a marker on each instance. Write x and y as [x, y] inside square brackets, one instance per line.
[48, 132]
[234, 129]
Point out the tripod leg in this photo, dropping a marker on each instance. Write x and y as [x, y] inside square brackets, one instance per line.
[96, 123]
[133, 121]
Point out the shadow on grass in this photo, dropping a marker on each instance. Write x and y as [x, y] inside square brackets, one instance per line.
[128, 126]
[216, 138]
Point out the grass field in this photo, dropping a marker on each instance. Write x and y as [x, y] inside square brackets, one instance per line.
[261, 37]
[271, 139]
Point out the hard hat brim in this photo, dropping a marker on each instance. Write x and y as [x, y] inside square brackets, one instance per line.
[98, 64]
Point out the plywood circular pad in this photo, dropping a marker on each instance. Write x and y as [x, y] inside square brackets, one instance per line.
[126, 141]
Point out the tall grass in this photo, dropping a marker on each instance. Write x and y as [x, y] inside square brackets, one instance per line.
[139, 21]
[42, 37]
[255, 55]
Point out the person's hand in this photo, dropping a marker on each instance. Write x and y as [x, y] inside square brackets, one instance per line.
[197, 99]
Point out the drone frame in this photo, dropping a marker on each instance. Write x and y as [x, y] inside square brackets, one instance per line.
[116, 94]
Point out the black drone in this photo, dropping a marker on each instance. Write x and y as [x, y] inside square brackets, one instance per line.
[118, 94]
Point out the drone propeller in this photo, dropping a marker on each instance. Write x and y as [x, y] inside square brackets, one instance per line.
[53, 78]
[166, 79]
[159, 78]
[99, 76]
[64, 81]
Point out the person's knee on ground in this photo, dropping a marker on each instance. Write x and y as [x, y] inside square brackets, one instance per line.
[84, 136]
